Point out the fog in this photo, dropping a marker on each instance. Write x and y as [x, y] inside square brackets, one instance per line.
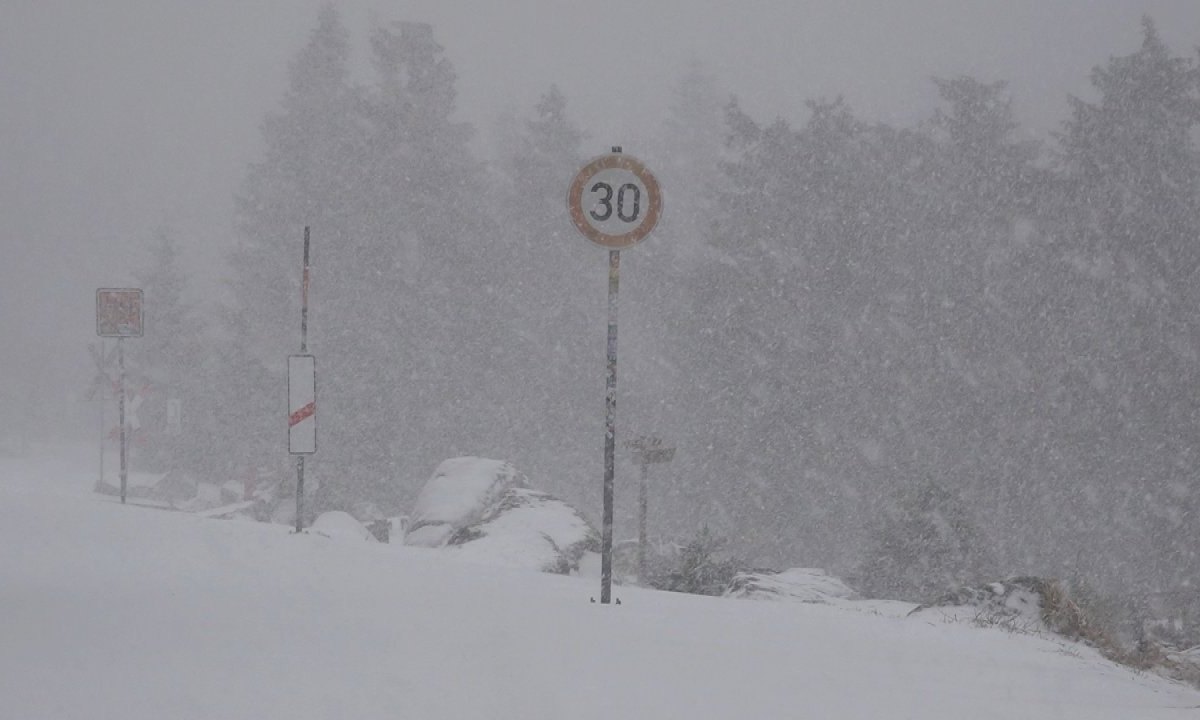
[121, 117]
[901, 272]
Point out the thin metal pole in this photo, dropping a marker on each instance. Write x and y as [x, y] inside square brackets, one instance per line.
[104, 390]
[121, 410]
[304, 299]
[642, 503]
[303, 350]
[102, 438]
[299, 493]
[610, 422]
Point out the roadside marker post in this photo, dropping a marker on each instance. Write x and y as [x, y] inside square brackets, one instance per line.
[302, 396]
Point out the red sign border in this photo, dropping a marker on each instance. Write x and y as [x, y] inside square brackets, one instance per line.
[141, 312]
[608, 162]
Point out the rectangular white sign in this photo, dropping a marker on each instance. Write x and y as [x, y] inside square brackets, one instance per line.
[302, 404]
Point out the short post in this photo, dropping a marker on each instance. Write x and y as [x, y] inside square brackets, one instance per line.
[299, 493]
[103, 419]
[121, 410]
[643, 502]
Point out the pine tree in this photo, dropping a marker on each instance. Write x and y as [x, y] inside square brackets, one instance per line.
[664, 337]
[1126, 366]
[692, 148]
[1130, 161]
[307, 177]
[411, 326]
[926, 544]
[548, 359]
[170, 364]
[973, 218]
[785, 275]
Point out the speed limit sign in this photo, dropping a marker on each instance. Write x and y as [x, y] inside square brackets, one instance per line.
[615, 201]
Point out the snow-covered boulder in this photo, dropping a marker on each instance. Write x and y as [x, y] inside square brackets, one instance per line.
[807, 585]
[341, 525]
[460, 492]
[528, 529]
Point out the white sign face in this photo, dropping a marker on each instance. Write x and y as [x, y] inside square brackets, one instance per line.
[302, 404]
[174, 416]
[615, 201]
[119, 312]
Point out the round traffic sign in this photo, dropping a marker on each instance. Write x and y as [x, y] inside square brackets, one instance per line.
[615, 201]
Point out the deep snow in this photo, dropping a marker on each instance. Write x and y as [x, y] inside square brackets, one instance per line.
[137, 613]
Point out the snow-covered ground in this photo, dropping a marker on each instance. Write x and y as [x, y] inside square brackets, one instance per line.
[143, 614]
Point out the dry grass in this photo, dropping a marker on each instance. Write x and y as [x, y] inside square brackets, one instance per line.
[1066, 617]
[1074, 618]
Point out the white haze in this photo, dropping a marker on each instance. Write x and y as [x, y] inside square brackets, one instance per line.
[121, 117]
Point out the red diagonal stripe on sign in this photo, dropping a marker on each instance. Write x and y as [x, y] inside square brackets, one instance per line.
[305, 412]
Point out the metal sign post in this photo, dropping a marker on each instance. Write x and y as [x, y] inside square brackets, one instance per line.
[102, 385]
[121, 414]
[119, 315]
[615, 202]
[647, 451]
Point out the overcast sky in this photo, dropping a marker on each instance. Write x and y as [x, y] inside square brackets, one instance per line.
[121, 116]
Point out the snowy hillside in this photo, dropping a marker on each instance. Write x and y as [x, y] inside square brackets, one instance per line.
[140, 614]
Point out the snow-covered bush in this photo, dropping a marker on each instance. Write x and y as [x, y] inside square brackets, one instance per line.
[926, 544]
[531, 529]
[700, 566]
[459, 493]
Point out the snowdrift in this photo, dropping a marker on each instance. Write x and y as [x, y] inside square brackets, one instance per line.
[118, 612]
[341, 525]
